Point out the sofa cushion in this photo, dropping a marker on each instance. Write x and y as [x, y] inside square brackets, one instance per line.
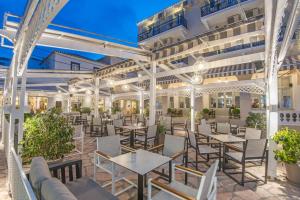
[85, 188]
[53, 189]
[39, 172]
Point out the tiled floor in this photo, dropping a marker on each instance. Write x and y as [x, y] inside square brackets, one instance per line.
[227, 188]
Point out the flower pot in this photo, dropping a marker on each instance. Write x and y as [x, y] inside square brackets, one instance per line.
[293, 173]
[161, 138]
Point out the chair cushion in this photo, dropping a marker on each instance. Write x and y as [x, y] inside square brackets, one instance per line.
[39, 172]
[53, 189]
[177, 186]
[87, 189]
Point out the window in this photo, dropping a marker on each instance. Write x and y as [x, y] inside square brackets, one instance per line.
[75, 66]
[285, 93]
[187, 102]
[251, 27]
[237, 31]
[211, 37]
[181, 102]
[223, 34]
[171, 102]
[221, 100]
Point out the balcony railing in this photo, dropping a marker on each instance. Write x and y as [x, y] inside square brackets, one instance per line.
[178, 21]
[217, 5]
[289, 118]
[234, 48]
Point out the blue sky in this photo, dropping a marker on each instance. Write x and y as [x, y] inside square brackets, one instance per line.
[115, 18]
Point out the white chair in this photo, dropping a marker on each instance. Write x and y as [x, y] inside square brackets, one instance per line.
[207, 189]
[108, 147]
[148, 137]
[223, 128]
[254, 150]
[251, 133]
[111, 131]
[173, 147]
[204, 149]
[167, 123]
[78, 136]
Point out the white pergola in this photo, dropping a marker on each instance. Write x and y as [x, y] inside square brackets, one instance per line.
[33, 31]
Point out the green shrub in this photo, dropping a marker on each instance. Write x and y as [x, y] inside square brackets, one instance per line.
[85, 110]
[47, 135]
[146, 112]
[256, 120]
[289, 141]
[205, 111]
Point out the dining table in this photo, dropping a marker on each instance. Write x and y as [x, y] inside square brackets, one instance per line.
[138, 162]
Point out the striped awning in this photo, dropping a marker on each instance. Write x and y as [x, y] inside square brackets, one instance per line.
[290, 63]
[232, 70]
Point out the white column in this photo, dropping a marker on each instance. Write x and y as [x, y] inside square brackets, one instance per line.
[21, 109]
[96, 99]
[110, 103]
[192, 99]
[272, 122]
[152, 108]
[69, 105]
[141, 106]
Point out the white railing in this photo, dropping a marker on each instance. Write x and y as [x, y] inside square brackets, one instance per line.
[289, 117]
[19, 185]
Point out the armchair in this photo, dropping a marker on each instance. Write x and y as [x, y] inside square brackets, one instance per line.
[148, 137]
[207, 188]
[108, 147]
[204, 149]
[173, 147]
[253, 150]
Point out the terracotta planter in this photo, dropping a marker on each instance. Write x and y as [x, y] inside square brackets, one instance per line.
[161, 138]
[293, 173]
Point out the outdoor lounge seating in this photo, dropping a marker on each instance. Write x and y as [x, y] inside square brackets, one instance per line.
[207, 188]
[70, 185]
[108, 147]
[254, 150]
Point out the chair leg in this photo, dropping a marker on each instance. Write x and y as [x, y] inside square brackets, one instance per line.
[196, 160]
[243, 173]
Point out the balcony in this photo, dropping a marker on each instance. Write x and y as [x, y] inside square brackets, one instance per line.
[234, 48]
[168, 25]
[216, 6]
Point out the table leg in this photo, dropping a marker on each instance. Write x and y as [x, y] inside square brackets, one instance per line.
[140, 187]
[113, 190]
[170, 171]
[132, 139]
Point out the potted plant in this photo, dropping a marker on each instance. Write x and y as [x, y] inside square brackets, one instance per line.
[161, 133]
[205, 113]
[256, 120]
[47, 134]
[236, 112]
[85, 110]
[289, 152]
